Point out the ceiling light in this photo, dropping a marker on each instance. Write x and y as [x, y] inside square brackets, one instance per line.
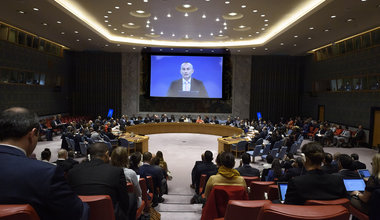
[106, 45]
[224, 23]
[186, 6]
[217, 19]
[89, 39]
[131, 24]
[241, 26]
[255, 11]
[134, 48]
[326, 30]
[145, 0]
[44, 24]
[243, 6]
[59, 22]
[220, 35]
[238, 51]
[263, 15]
[21, 12]
[140, 11]
[169, 15]
[309, 38]
[161, 32]
[131, 35]
[250, 35]
[77, 40]
[212, 51]
[115, 29]
[220, 31]
[117, 7]
[364, 0]
[155, 18]
[295, 36]
[148, 22]
[211, 34]
[266, 25]
[266, 20]
[109, 25]
[118, 45]
[281, 44]
[232, 14]
[311, 28]
[122, 32]
[147, 25]
[106, 21]
[203, 16]
[62, 32]
[186, 36]
[257, 32]
[173, 35]
[105, 16]
[263, 29]
[333, 16]
[265, 48]
[207, 0]
[76, 32]
[225, 28]
[254, 48]
[36, 9]
[186, 15]
[241, 38]
[152, 29]
[109, 12]
[295, 45]
[227, 2]
[129, 3]
[349, 20]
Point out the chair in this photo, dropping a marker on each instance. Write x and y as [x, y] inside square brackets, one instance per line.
[129, 145]
[100, 207]
[255, 152]
[312, 135]
[69, 144]
[357, 213]
[278, 144]
[273, 152]
[249, 179]
[282, 153]
[258, 189]
[114, 142]
[259, 141]
[344, 202]
[146, 197]
[272, 192]
[218, 198]
[18, 212]
[83, 148]
[239, 147]
[202, 183]
[265, 150]
[72, 144]
[293, 148]
[250, 146]
[142, 206]
[272, 211]
[244, 209]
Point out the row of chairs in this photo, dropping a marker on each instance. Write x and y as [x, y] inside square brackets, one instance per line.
[101, 207]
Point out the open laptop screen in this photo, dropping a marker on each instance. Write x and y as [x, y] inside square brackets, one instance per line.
[354, 185]
[282, 187]
[364, 173]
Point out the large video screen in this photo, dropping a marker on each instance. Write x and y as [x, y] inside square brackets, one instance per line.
[186, 76]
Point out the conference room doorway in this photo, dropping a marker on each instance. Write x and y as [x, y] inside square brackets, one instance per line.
[374, 136]
[321, 112]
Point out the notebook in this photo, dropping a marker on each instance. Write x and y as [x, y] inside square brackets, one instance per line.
[282, 187]
[364, 173]
[354, 185]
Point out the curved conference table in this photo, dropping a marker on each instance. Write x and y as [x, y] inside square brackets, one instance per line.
[181, 127]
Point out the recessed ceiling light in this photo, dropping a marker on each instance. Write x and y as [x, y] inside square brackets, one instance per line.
[232, 14]
[217, 19]
[140, 11]
[295, 36]
[263, 29]
[250, 35]
[77, 40]
[266, 20]
[257, 32]
[161, 32]
[295, 45]
[131, 24]
[186, 15]
[44, 24]
[109, 12]
[326, 30]
[59, 22]
[333, 16]
[186, 36]
[255, 11]
[243, 6]
[311, 28]
[364, 0]
[152, 29]
[122, 32]
[225, 28]
[109, 25]
[281, 44]
[36, 9]
[241, 38]
[173, 35]
[238, 51]
[134, 48]
[211, 34]
[106, 45]
[129, 3]
[253, 48]
[76, 32]
[117, 7]
[147, 25]
[266, 25]
[115, 29]
[105, 16]
[21, 12]
[241, 26]
[169, 15]
[145, 0]
[148, 22]
[118, 45]
[131, 35]
[263, 15]
[203, 16]
[207, 0]
[349, 19]
[155, 18]
[186, 6]
[106, 21]
[89, 39]
[227, 2]
[309, 38]
[62, 32]
[224, 23]
[265, 48]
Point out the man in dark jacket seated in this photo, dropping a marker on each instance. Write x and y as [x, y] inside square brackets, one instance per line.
[346, 170]
[315, 184]
[245, 169]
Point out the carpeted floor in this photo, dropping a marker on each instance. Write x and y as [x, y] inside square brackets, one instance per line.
[180, 152]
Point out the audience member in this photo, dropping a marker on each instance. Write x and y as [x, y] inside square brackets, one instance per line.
[134, 161]
[288, 161]
[98, 177]
[344, 137]
[297, 169]
[46, 155]
[44, 130]
[275, 172]
[356, 163]
[226, 174]
[33, 182]
[119, 158]
[358, 137]
[245, 168]
[315, 184]
[63, 162]
[364, 201]
[207, 167]
[328, 167]
[156, 173]
[346, 170]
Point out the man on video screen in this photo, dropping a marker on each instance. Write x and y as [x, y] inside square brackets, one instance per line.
[187, 86]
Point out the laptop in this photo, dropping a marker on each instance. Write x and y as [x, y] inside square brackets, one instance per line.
[354, 185]
[364, 173]
[282, 187]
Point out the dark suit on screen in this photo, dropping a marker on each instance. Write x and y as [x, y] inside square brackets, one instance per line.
[99, 178]
[315, 185]
[197, 89]
[37, 183]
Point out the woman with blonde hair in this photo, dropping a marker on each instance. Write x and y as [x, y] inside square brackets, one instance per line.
[362, 201]
[119, 158]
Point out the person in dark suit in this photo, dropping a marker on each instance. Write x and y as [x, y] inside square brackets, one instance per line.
[297, 169]
[328, 167]
[346, 170]
[246, 169]
[207, 167]
[156, 173]
[187, 86]
[40, 184]
[315, 184]
[98, 177]
[356, 163]
[62, 161]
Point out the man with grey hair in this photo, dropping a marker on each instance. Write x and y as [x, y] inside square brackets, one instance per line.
[187, 86]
